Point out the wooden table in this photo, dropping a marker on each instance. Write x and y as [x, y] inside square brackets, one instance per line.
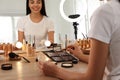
[30, 71]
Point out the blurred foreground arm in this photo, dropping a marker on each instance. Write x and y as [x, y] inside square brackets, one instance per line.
[96, 66]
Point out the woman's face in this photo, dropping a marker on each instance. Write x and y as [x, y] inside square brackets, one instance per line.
[35, 6]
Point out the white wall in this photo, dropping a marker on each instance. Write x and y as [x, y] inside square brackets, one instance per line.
[61, 26]
[12, 7]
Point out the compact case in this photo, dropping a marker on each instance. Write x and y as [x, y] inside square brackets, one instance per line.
[67, 65]
[6, 66]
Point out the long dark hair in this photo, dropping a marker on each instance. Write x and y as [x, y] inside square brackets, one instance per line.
[43, 11]
[119, 0]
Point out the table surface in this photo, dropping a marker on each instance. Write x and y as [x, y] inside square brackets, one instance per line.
[30, 71]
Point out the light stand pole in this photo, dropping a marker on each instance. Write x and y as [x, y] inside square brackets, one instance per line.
[75, 23]
[75, 29]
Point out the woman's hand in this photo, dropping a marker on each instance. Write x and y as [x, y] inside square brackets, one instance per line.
[48, 68]
[76, 50]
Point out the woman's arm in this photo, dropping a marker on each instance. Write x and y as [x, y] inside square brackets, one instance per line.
[51, 36]
[20, 36]
[96, 66]
[97, 62]
[84, 58]
[76, 50]
[97, 59]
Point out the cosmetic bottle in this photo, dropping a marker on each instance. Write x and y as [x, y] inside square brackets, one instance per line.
[24, 45]
[33, 49]
[28, 49]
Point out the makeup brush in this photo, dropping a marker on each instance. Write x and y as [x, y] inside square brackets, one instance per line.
[13, 55]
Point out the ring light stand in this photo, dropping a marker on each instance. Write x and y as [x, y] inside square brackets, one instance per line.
[70, 18]
[75, 23]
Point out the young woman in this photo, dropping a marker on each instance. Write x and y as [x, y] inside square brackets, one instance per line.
[105, 51]
[36, 25]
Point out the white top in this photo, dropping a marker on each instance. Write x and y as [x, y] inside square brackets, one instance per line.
[38, 30]
[105, 26]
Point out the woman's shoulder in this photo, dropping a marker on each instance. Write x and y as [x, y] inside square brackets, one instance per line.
[109, 6]
[104, 9]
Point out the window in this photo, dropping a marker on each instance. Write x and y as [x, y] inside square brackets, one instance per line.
[8, 32]
[10, 11]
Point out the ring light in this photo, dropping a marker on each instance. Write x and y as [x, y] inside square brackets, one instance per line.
[83, 8]
[75, 17]
[63, 14]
